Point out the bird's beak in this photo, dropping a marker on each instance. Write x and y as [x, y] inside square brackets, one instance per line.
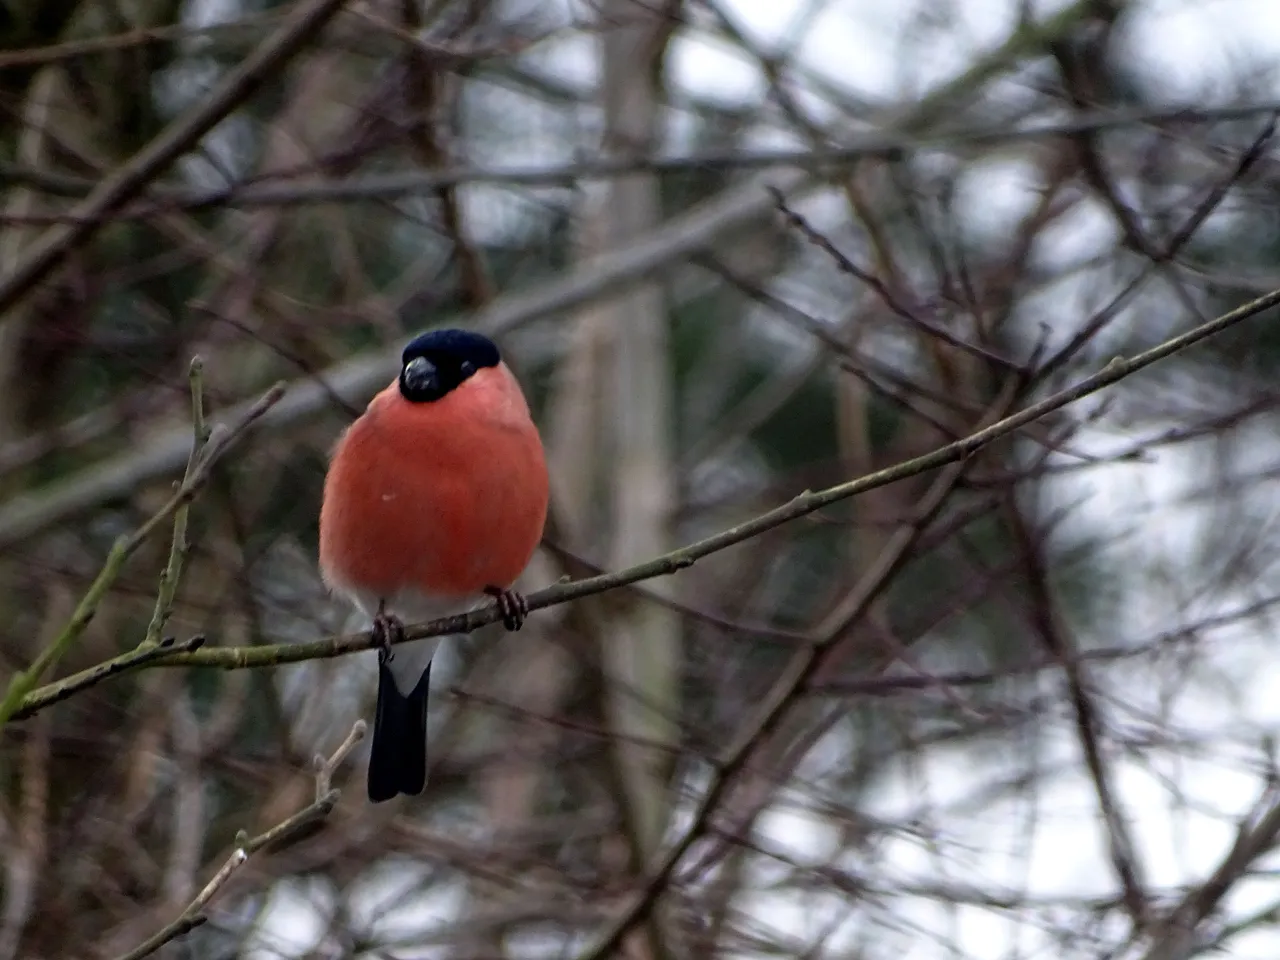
[419, 375]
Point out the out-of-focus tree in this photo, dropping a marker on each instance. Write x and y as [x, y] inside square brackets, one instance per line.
[968, 710]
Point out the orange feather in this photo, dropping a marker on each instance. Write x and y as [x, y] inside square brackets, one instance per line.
[445, 498]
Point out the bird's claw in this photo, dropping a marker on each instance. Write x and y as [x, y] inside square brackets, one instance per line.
[513, 605]
[388, 629]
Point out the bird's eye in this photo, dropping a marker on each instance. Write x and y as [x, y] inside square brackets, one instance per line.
[467, 368]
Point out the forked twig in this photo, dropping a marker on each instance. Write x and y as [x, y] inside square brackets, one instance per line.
[284, 832]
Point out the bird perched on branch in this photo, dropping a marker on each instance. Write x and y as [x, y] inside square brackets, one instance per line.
[434, 499]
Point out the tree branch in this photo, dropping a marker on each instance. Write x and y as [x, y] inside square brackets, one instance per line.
[234, 658]
[217, 444]
[166, 198]
[285, 831]
[803, 666]
[183, 133]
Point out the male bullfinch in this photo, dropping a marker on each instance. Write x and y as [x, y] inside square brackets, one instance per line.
[435, 498]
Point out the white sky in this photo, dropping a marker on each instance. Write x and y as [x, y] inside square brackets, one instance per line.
[1193, 47]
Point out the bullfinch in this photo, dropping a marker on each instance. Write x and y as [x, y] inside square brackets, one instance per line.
[434, 499]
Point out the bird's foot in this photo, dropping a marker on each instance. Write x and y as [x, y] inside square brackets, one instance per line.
[513, 605]
[388, 629]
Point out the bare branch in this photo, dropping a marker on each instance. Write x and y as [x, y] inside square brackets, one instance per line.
[165, 198]
[132, 178]
[219, 442]
[285, 831]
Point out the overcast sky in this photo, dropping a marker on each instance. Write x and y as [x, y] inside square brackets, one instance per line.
[1183, 41]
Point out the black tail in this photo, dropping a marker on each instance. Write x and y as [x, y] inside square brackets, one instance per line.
[398, 760]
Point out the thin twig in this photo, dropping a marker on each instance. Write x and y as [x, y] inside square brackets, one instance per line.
[846, 265]
[218, 444]
[139, 656]
[1046, 618]
[326, 768]
[72, 49]
[174, 140]
[179, 547]
[804, 665]
[288, 829]
[166, 198]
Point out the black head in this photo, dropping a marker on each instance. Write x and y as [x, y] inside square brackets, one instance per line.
[435, 363]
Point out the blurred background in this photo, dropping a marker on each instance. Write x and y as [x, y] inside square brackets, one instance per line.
[735, 250]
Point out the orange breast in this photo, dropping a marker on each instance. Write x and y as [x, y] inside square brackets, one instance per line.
[447, 497]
